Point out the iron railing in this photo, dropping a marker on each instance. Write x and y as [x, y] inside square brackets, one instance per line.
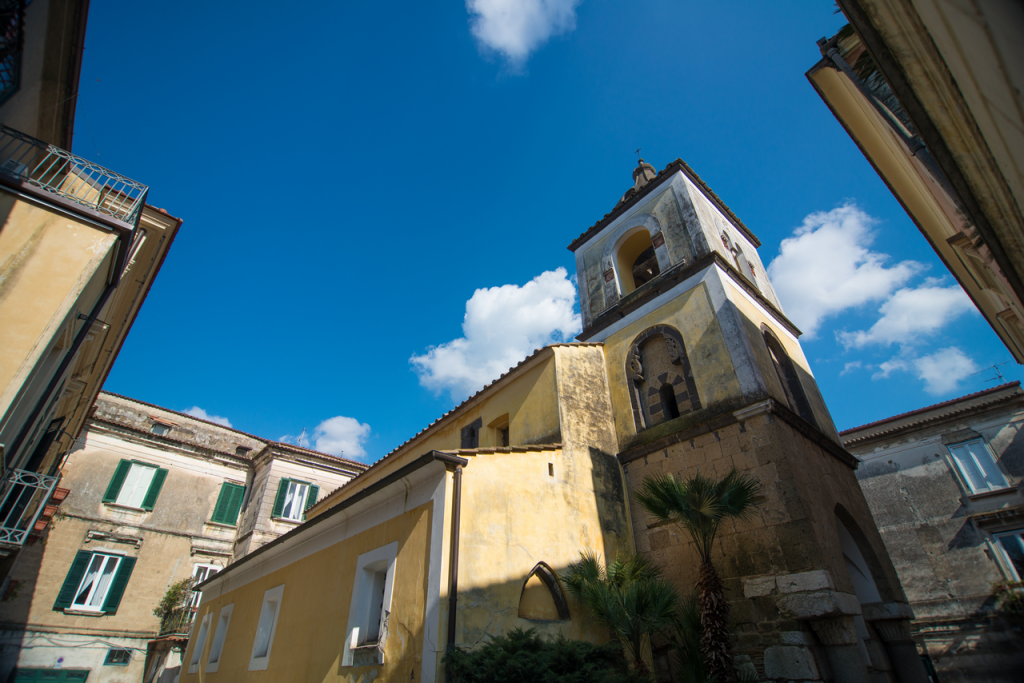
[178, 622]
[62, 173]
[22, 499]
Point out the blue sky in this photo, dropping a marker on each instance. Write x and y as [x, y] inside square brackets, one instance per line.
[377, 198]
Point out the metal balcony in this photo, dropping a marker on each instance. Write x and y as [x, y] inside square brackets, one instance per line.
[23, 497]
[35, 163]
[179, 621]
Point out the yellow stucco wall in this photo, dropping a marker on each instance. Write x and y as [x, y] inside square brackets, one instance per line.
[50, 265]
[529, 400]
[693, 314]
[311, 627]
[519, 509]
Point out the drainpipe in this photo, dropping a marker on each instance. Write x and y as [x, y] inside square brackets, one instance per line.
[453, 565]
[55, 380]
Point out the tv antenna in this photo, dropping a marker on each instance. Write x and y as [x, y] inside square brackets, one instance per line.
[994, 368]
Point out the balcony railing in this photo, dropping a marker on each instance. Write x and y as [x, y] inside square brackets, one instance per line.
[178, 622]
[60, 172]
[23, 497]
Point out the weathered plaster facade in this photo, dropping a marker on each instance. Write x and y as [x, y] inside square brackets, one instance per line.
[179, 534]
[943, 536]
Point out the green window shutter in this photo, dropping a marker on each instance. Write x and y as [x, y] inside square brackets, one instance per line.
[120, 582]
[117, 481]
[154, 489]
[314, 490]
[282, 491]
[235, 503]
[229, 502]
[67, 592]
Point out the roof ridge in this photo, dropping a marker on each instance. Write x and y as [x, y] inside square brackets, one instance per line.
[918, 411]
[178, 412]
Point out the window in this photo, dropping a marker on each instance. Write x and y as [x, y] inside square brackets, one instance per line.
[294, 498]
[1012, 545]
[229, 502]
[135, 484]
[977, 466]
[370, 612]
[470, 435]
[223, 621]
[661, 382]
[788, 377]
[118, 657]
[197, 649]
[160, 429]
[200, 573]
[95, 582]
[242, 451]
[266, 628]
[498, 431]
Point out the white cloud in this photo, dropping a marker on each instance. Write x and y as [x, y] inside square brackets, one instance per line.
[502, 326]
[515, 28]
[850, 367]
[339, 435]
[196, 411]
[910, 314]
[943, 370]
[826, 267]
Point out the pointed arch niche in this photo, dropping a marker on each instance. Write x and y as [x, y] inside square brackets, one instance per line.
[661, 381]
[541, 598]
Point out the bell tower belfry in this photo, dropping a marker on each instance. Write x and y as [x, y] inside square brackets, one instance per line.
[707, 374]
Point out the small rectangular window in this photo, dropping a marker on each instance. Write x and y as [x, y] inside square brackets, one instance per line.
[977, 466]
[1012, 545]
[160, 429]
[197, 649]
[118, 657]
[370, 610]
[217, 647]
[266, 627]
[200, 573]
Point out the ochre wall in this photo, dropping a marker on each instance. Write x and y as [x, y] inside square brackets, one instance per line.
[49, 265]
[313, 619]
[515, 514]
[693, 314]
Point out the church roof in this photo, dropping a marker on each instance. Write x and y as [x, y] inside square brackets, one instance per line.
[632, 197]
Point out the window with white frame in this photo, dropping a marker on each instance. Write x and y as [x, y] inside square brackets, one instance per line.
[295, 500]
[197, 650]
[370, 612]
[221, 632]
[92, 591]
[977, 466]
[1012, 545]
[200, 573]
[266, 627]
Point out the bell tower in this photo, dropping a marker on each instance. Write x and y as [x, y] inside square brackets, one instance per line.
[707, 374]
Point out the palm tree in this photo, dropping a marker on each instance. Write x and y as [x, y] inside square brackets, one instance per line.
[629, 598]
[699, 505]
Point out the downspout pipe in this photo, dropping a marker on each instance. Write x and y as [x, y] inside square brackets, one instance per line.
[69, 357]
[453, 564]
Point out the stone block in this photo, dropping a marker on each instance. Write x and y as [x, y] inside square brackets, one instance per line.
[758, 586]
[818, 579]
[818, 605]
[796, 638]
[789, 662]
[745, 669]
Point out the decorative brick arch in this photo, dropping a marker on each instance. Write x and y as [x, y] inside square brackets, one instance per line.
[645, 384]
[550, 581]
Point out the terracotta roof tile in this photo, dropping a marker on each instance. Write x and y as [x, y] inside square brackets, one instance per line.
[921, 411]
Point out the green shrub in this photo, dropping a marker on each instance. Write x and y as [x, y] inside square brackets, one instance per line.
[524, 657]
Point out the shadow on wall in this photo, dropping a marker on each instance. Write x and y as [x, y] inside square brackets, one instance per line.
[16, 603]
[1012, 457]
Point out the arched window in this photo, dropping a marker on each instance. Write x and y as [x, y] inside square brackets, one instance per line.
[658, 370]
[788, 377]
[542, 598]
[636, 261]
